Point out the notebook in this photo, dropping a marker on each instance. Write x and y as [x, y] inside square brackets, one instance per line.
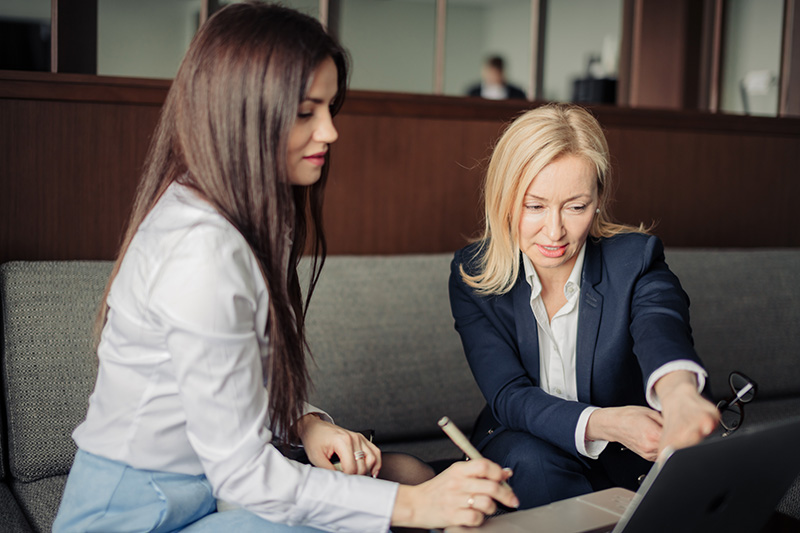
[728, 484]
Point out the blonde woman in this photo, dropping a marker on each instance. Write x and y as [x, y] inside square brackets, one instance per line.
[574, 327]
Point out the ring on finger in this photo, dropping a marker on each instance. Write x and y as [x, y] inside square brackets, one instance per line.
[471, 502]
[360, 455]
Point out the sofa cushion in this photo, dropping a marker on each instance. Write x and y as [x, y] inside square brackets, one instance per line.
[40, 500]
[744, 312]
[49, 364]
[763, 411]
[790, 503]
[11, 517]
[387, 355]
[3, 425]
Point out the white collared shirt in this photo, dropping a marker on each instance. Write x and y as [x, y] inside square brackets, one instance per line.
[558, 348]
[180, 384]
[494, 91]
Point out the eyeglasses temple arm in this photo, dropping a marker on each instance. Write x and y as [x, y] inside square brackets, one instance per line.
[742, 392]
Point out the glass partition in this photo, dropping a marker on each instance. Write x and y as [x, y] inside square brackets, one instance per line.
[581, 50]
[484, 46]
[25, 35]
[146, 38]
[751, 57]
[392, 43]
[309, 7]
[478, 33]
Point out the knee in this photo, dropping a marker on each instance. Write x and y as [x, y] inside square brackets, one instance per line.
[405, 469]
[543, 473]
[533, 456]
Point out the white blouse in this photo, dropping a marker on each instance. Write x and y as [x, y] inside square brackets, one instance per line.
[180, 384]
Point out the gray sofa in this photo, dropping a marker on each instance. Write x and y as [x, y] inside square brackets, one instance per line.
[387, 356]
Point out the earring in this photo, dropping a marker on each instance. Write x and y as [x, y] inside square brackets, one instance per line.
[597, 210]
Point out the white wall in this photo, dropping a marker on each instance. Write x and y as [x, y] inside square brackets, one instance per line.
[752, 43]
[574, 30]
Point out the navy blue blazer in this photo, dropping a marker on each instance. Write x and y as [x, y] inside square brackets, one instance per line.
[633, 318]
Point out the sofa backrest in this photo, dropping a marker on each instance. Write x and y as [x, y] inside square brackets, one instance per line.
[3, 425]
[387, 355]
[745, 313]
[48, 363]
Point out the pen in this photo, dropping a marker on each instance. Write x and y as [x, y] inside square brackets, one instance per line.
[460, 440]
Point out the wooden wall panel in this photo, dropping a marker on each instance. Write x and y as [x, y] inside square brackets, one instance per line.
[68, 171]
[708, 188]
[401, 185]
[406, 171]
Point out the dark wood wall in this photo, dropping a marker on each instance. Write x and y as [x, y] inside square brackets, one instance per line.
[406, 171]
[707, 180]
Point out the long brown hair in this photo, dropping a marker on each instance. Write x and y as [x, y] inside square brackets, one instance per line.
[223, 131]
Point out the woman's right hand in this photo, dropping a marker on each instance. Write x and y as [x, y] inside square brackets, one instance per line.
[635, 427]
[461, 495]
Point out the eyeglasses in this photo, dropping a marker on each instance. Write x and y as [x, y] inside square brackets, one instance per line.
[732, 410]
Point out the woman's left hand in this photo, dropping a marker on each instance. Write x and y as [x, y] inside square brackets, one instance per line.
[688, 417]
[321, 439]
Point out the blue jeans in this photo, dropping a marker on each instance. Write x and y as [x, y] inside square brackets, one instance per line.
[103, 495]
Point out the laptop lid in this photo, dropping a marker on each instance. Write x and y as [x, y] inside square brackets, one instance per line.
[725, 484]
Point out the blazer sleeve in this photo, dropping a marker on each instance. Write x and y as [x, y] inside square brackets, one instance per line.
[659, 314]
[491, 349]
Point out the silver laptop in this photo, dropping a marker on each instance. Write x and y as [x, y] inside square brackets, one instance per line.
[729, 484]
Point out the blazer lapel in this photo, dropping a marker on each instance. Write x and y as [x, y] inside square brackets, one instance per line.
[525, 322]
[591, 309]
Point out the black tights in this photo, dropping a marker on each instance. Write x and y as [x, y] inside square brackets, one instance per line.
[407, 470]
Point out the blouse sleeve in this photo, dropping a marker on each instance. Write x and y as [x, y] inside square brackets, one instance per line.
[206, 297]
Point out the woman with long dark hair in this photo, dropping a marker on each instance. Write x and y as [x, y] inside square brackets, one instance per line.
[202, 345]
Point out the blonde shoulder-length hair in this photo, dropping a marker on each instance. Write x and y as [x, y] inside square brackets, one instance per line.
[531, 142]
